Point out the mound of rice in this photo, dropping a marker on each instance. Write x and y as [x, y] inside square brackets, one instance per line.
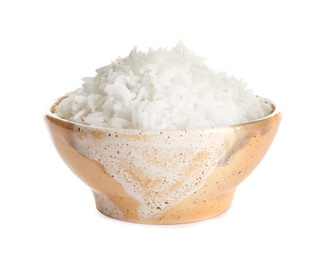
[161, 89]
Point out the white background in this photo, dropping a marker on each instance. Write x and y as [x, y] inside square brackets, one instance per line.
[46, 47]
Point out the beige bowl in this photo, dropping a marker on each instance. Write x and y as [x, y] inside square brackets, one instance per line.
[162, 177]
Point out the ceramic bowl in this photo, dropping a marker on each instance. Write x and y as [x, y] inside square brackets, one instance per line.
[162, 177]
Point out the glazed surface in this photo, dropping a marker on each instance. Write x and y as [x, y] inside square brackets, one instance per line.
[163, 177]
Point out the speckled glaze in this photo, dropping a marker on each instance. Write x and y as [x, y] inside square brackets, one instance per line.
[162, 177]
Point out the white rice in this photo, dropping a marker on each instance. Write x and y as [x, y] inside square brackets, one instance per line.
[161, 89]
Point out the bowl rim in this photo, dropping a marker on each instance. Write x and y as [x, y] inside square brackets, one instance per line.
[48, 112]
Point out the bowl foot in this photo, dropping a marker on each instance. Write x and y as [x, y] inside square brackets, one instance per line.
[187, 211]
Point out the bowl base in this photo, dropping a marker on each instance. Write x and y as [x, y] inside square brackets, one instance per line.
[184, 212]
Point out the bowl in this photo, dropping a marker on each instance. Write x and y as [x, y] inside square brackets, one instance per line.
[162, 177]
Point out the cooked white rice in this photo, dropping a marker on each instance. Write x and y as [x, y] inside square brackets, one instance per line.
[161, 89]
